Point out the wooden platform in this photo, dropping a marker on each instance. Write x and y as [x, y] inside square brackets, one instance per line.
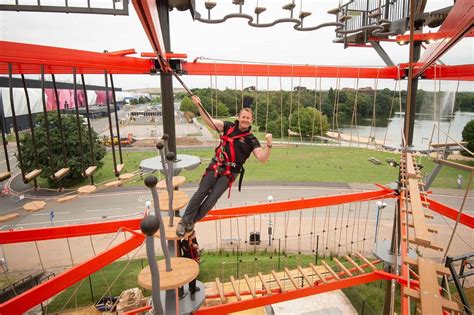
[32, 175]
[126, 176]
[5, 175]
[183, 271]
[177, 181]
[33, 206]
[66, 198]
[8, 217]
[449, 144]
[87, 189]
[170, 231]
[114, 183]
[429, 295]
[180, 199]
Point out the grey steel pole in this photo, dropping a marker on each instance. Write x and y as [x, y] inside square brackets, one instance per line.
[149, 226]
[150, 182]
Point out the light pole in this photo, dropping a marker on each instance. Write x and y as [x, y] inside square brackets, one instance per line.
[148, 205]
[380, 205]
[270, 223]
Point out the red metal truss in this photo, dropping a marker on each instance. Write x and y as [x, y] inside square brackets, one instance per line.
[236, 69]
[290, 205]
[147, 12]
[298, 293]
[25, 301]
[427, 36]
[51, 233]
[27, 58]
[458, 23]
[443, 72]
[451, 213]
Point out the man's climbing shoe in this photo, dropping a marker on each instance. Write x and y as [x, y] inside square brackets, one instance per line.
[180, 229]
[189, 227]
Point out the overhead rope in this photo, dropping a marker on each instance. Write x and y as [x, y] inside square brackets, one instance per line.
[46, 122]
[390, 112]
[117, 126]
[89, 127]
[109, 116]
[78, 122]
[354, 111]
[267, 99]
[298, 111]
[61, 130]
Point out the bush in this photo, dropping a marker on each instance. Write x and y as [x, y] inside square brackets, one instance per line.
[72, 145]
[468, 135]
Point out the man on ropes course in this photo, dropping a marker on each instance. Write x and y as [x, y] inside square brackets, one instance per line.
[236, 144]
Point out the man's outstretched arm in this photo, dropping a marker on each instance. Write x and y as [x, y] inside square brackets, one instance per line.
[219, 124]
[262, 155]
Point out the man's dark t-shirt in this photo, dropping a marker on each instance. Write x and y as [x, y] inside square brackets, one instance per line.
[243, 147]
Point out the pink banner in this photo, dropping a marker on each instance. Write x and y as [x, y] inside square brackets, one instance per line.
[66, 99]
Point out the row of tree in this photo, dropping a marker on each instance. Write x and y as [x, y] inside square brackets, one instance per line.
[276, 111]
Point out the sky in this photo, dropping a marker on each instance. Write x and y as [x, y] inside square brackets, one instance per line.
[232, 40]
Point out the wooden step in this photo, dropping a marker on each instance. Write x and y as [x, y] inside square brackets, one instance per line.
[346, 271]
[440, 269]
[32, 175]
[412, 240]
[264, 284]
[66, 198]
[114, 183]
[277, 279]
[459, 166]
[331, 271]
[236, 288]
[90, 171]
[87, 189]
[61, 173]
[5, 175]
[303, 274]
[126, 176]
[180, 199]
[320, 276]
[251, 289]
[8, 217]
[445, 304]
[120, 168]
[290, 276]
[410, 167]
[366, 261]
[349, 259]
[421, 232]
[221, 291]
[34, 206]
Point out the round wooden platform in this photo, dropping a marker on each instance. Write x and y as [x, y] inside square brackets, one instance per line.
[170, 231]
[114, 183]
[87, 189]
[180, 199]
[183, 271]
[126, 176]
[177, 181]
[66, 198]
[33, 206]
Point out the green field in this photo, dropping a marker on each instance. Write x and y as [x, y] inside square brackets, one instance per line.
[301, 164]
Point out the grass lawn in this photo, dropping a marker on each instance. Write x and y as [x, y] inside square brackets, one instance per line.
[300, 164]
[213, 264]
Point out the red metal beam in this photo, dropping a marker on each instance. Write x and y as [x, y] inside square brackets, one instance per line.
[235, 69]
[282, 206]
[25, 301]
[457, 24]
[458, 73]
[27, 58]
[451, 213]
[426, 37]
[51, 233]
[295, 294]
[147, 12]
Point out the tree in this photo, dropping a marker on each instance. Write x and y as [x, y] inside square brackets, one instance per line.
[73, 149]
[311, 122]
[468, 135]
[187, 105]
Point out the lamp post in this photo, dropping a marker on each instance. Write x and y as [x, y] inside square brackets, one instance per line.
[270, 223]
[380, 205]
[148, 205]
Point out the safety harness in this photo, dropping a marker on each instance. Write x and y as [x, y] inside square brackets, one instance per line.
[223, 159]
